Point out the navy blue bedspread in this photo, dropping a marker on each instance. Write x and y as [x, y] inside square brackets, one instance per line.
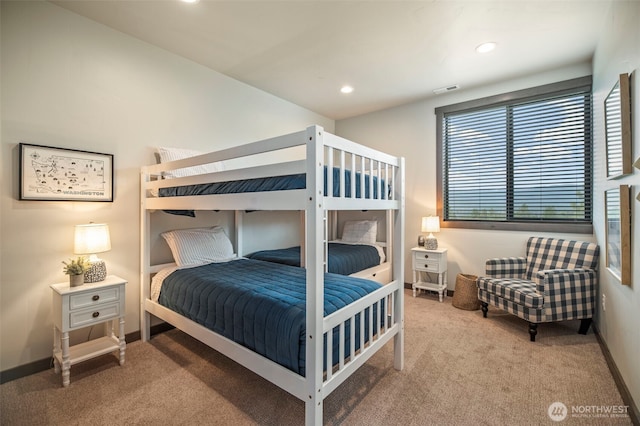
[344, 259]
[275, 183]
[260, 305]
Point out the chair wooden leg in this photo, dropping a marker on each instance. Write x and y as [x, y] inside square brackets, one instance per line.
[533, 330]
[585, 323]
[485, 308]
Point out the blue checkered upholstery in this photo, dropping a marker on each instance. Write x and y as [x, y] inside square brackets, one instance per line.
[506, 267]
[556, 281]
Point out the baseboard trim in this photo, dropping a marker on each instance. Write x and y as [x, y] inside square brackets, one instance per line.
[25, 370]
[47, 363]
[633, 411]
[156, 329]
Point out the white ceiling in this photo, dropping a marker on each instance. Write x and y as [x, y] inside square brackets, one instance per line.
[391, 52]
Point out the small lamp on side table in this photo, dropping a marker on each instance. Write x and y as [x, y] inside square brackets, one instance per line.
[431, 224]
[90, 239]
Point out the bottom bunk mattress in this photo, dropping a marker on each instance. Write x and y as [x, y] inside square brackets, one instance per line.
[344, 259]
[261, 305]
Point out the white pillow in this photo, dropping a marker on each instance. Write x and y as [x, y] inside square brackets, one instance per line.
[360, 231]
[198, 246]
[170, 154]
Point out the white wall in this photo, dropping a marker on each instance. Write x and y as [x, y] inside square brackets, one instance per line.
[70, 82]
[410, 131]
[618, 52]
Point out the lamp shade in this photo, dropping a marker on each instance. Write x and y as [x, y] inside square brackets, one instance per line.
[91, 238]
[431, 224]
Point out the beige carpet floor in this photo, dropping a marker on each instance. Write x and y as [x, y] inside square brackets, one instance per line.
[460, 369]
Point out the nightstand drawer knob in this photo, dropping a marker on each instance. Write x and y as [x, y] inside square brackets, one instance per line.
[426, 256]
[96, 297]
[96, 314]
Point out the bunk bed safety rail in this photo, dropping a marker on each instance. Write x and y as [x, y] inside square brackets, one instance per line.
[359, 170]
[260, 147]
[373, 314]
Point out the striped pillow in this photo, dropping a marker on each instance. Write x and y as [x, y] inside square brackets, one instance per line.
[198, 246]
[360, 231]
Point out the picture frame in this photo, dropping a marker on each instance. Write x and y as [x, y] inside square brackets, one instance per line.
[617, 115]
[618, 232]
[59, 174]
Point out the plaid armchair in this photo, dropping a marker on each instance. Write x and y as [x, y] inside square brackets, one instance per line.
[556, 281]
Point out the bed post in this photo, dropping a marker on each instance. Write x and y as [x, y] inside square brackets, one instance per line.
[238, 220]
[145, 259]
[398, 269]
[315, 275]
[303, 238]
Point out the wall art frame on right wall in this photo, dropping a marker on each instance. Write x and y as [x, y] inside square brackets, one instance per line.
[617, 117]
[618, 232]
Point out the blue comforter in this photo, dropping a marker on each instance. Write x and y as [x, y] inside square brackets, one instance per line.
[344, 259]
[276, 183]
[273, 183]
[260, 305]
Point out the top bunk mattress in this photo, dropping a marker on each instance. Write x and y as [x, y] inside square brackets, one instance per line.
[282, 183]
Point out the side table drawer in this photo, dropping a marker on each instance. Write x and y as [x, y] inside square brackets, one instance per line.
[91, 316]
[428, 266]
[93, 298]
[421, 257]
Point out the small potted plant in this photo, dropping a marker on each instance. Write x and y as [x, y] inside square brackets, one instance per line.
[76, 268]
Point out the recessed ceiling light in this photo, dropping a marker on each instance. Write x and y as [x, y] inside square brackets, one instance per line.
[486, 47]
[346, 89]
[190, 1]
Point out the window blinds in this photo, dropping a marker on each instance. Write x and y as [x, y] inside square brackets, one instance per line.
[528, 161]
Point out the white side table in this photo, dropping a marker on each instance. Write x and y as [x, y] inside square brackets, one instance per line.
[431, 261]
[83, 306]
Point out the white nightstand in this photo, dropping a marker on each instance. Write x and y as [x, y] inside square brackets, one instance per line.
[84, 306]
[431, 261]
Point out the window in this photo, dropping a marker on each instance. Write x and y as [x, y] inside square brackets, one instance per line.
[518, 161]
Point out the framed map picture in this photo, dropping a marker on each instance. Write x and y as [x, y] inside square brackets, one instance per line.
[59, 174]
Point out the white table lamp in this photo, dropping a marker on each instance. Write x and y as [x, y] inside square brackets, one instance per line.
[431, 224]
[90, 239]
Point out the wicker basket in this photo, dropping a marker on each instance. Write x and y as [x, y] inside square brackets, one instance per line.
[465, 295]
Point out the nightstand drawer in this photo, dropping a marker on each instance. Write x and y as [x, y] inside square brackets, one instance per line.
[90, 316]
[431, 257]
[428, 266]
[93, 298]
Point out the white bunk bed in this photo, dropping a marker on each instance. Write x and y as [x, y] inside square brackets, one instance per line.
[321, 150]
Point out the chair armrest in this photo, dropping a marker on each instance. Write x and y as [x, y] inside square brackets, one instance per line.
[568, 293]
[506, 267]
